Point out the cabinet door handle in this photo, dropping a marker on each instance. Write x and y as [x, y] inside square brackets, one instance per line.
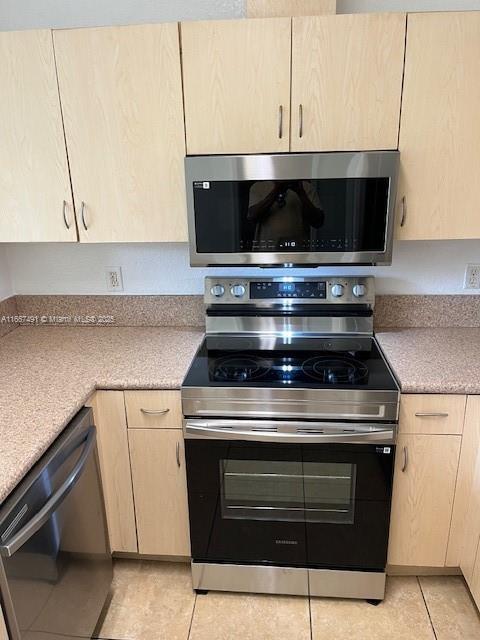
[433, 414]
[403, 202]
[64, 211]
[177, 453]
[280, 121]
[83, 216]
[405, 459]
[154, 412]
[300, 120]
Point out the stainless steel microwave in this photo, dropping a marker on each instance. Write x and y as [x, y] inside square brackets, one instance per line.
[291, 209]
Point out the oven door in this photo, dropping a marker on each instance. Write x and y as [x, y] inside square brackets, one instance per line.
[290, 499]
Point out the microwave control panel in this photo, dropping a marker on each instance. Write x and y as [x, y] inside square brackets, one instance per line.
[261, 291]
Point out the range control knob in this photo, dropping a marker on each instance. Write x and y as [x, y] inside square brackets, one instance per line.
[238, 290]
[217, 290]
[337, 290]
[359, 290]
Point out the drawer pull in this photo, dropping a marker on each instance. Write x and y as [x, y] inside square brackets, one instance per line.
[405, 459]
[432, 414]
[154, 412]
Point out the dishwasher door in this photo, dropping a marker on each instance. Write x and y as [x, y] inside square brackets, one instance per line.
[55, 561]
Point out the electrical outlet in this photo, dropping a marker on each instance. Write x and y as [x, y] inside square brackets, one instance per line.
[472, 277]
[114, 278]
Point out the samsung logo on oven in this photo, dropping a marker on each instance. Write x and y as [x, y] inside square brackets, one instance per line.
[286, 541]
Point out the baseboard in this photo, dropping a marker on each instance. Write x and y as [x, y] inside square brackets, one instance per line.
[398, 570]
[143, 556]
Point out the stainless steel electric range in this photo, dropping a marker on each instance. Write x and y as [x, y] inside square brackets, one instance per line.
[290, 420]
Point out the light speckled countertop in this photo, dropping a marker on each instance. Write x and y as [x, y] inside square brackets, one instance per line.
[47, 373]
[434, 360]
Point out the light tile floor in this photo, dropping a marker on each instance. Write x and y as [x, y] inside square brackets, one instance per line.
[155, 601]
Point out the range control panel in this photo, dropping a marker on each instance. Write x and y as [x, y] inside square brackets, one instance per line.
[287, 290]
[266, 290]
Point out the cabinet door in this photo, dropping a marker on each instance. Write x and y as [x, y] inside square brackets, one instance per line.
[440, 127]
[347, 81]
[3, 628]
[465, 527]
[474, 583]
[122, 100]
[471, 520]
[423, 488]
[35, 197]
[236, 78]
[109, 413]
[160, 490]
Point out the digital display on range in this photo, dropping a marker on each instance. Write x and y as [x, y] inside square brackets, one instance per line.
[316, 290]
[286, 287]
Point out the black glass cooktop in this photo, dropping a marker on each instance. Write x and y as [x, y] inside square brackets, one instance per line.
[273, 362]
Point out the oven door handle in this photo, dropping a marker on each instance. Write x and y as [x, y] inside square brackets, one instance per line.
[298, 433]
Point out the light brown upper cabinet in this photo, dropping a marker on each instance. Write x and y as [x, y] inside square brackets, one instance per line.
[440, 128]
[236, 76]
[277, 8]
[347, 81]
[121, 96]
[35, 197]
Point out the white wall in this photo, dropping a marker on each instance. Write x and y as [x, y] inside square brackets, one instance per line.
[418, 267]
[34, 14]
[31, 14]
[6, 288]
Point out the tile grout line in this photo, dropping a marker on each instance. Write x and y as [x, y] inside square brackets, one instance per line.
[426, 607]
[191, 619]
[310, 616]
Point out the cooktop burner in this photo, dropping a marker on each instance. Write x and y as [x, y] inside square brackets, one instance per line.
[239, 368]
[334, 368]
[313, 363]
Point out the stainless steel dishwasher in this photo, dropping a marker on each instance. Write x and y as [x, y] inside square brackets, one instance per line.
[55, 561]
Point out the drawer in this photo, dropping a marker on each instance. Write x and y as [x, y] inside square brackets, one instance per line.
[432, 414]
[153, 409]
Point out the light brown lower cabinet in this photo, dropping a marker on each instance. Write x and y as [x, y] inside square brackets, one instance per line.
[422, 501]
[464, 525]
[469, 555]
[160, 491]
[3, 628]
[474, 582]
[109, 414]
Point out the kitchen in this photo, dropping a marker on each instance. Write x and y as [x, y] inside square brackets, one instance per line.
[239, 319]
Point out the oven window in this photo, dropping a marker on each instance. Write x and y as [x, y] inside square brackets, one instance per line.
[288, 491]
[336, 214]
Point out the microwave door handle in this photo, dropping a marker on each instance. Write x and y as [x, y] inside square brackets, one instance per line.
[52, 504]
